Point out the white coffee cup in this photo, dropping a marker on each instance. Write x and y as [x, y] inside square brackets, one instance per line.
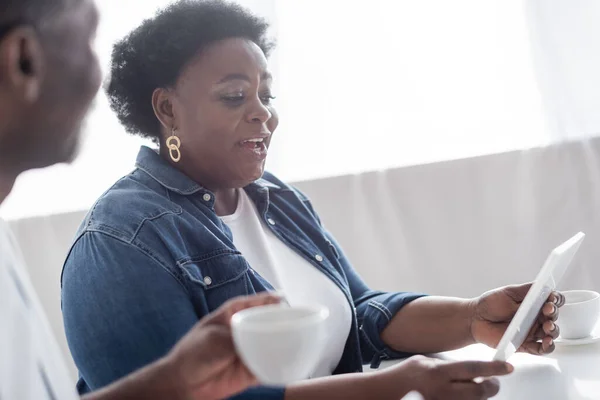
[278, 343]
[579, 315]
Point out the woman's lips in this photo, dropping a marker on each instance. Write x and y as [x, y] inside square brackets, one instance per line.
[256, 147]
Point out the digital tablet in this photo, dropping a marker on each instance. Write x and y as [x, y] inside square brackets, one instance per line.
[547, 280]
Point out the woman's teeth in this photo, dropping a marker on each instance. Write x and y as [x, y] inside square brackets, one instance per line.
[254, 142]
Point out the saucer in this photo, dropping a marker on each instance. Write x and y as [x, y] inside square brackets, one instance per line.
[593, 338]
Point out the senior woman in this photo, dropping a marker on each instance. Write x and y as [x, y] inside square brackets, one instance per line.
[199, 222]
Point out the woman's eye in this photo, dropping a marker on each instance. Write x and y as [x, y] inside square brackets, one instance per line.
[237, 99]
[233, 99]
[267, 99]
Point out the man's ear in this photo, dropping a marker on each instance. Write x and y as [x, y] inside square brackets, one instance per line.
[22, 64]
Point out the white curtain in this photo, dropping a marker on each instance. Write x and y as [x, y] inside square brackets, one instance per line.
[566, 49]
[378, 84]
[375, 84]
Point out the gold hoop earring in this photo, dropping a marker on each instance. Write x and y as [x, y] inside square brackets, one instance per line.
[173, 144]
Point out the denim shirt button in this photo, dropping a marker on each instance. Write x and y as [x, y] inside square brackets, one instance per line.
[207, 197]
[271, 221]
[319, 258]
[208, 280]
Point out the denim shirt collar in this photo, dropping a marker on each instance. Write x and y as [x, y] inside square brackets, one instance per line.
[149, 161]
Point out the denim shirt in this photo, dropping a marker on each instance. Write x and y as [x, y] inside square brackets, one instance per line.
[152, 258]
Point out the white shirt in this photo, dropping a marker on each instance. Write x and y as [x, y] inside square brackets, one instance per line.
[31, 365]
[300, 281]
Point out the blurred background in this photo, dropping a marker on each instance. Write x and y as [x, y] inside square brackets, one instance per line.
[368, 85]
[448, 145]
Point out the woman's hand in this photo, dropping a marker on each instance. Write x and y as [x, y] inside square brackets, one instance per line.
[493, 311]
[205, 360]
[436, 379]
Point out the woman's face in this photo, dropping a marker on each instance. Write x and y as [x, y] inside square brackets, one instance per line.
[222, 112]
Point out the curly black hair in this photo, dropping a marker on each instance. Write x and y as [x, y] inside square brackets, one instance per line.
[155, 54]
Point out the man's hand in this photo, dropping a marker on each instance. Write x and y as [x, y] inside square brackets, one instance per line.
[202, 366]
[205, 360]
[494, 310]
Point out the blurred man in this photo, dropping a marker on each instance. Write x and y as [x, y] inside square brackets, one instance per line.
[49, 75]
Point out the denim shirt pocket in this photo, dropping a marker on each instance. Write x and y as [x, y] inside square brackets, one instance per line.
[333, 250]
[222, 275]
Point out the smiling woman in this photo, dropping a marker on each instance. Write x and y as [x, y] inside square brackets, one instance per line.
[199, 221]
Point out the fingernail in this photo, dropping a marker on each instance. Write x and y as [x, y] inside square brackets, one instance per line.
[552, 327]
[509, 367]
[551, 342]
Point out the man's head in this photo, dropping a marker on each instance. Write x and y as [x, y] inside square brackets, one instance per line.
[49, 75]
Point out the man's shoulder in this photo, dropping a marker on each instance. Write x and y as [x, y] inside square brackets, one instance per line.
[26, 338]
[7, 240]
[9, 250]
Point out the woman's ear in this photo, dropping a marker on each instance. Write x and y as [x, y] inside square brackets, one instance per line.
[162, 103]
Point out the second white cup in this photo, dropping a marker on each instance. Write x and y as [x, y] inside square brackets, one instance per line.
[579, 315]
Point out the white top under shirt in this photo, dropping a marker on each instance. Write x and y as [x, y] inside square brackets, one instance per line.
[31, 365]
[300, 281]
